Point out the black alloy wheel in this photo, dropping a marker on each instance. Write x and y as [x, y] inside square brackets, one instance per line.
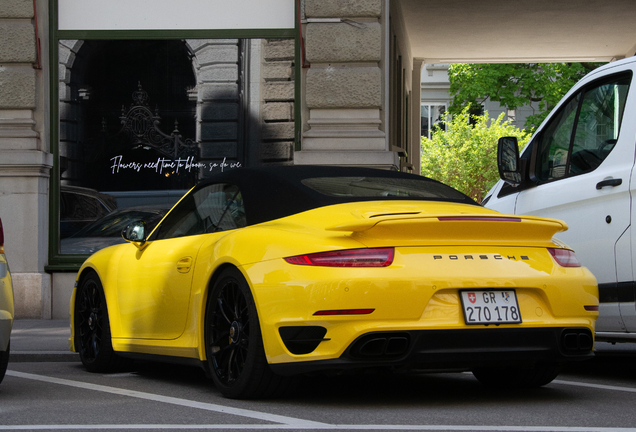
[234, 346]
[92, 327]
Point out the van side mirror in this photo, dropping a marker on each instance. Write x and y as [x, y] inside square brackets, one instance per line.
[135, 233]
[508, 160]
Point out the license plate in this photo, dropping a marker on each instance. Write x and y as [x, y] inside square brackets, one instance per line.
[490, 307]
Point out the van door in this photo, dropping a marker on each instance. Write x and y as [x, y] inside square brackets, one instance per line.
[581, 165]
[627, 290]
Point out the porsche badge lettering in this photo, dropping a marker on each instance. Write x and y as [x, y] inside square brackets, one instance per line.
[482, 257]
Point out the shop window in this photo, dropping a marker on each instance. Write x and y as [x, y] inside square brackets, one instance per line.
[140, 122]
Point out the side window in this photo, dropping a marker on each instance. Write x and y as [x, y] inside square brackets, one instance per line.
[584, 131]
[554, 143]
[213, 208]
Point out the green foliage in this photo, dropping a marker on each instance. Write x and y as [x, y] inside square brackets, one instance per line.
[465, 156]
[514, 85]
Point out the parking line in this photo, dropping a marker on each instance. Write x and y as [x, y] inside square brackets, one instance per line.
[289, 421]
[438, 428]
[282, 422]
[596, 386]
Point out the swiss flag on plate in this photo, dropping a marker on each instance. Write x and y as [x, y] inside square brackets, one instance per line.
[472, 298]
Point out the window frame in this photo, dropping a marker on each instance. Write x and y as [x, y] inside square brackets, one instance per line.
[580, 93]
[72, 262]
[428, 106]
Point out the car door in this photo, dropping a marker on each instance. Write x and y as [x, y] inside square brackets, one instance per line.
[581, 164]
[154, 282]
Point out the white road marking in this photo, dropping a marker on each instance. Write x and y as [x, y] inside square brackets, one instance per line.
[438, 428]
[596, 386]
[290, 421]
[283, 422]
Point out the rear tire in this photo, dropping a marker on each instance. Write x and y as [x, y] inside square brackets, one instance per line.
[92, 328]
[515, 377]
[4, 361]
[234, 344]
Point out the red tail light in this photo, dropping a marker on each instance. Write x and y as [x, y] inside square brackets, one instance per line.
[345, 312]
[564, 257]
[1, 238]
[377, 257]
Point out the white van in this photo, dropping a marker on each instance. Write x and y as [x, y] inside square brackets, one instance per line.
[579, 167]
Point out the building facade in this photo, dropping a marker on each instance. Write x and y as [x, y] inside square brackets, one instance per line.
[118, 105]
[116, 108]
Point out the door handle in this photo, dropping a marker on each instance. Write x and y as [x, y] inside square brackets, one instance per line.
[184, 264]
[609, 182]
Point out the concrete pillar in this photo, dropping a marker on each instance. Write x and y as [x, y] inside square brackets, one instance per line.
[276, 121]
[343, 116]
[24, 159]
[217, 67]
[415, 152]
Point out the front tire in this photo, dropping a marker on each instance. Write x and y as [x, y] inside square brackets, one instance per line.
[92, 327]
[234, 344]
[515, 377]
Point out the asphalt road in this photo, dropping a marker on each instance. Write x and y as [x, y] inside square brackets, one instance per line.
[598, 395]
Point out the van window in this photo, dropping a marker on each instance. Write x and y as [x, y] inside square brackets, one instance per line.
[583, 132]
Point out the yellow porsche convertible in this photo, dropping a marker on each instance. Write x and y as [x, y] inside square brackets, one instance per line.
[259, 275]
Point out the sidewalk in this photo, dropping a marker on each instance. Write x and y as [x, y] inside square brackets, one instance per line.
[35, 340]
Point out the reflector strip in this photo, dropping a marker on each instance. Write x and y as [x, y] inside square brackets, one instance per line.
[377, 257]
[345, 312]
[591, 308]
[478, 218]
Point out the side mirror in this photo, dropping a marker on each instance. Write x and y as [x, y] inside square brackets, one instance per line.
[135, 232]
[508, 160]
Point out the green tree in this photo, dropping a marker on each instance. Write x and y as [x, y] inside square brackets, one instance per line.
[464, 155]
[514, 85]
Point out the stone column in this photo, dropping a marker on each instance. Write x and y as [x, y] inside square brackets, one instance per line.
[24, 161]
[217, 66]
[343, 120]
[277, 106]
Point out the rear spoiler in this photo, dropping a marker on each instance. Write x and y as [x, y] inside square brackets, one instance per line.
[453, 229]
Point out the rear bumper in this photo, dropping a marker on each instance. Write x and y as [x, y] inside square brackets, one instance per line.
[455, 350]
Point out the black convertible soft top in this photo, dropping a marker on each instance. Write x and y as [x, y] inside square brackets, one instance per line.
[274, 192]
